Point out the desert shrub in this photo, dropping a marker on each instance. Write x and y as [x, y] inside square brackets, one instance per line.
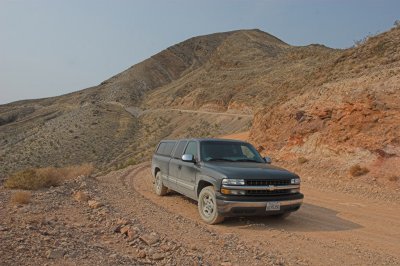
[26, 179]
[70, 172]
[21, 197]
[33, 179]
[394, 178]
[357, 170]
[302, 160]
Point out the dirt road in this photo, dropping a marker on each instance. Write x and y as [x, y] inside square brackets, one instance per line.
[330, 228]
[123, 222]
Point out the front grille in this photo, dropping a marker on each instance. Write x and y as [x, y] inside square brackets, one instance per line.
[267, 193]
[262, 182]
[268, 182]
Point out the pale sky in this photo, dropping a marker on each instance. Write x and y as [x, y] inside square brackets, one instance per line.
[52, 47]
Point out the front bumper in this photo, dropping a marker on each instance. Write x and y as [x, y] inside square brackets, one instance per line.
[250, 206]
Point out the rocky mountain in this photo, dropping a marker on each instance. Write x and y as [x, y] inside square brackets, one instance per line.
[349, 121]
[333, 108]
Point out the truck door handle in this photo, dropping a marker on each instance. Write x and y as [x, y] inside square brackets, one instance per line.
[179, 167]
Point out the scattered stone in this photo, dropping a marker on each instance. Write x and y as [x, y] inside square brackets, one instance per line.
[117, 229]
[94, 204]
[141, 254]
[158, 256]
[165, 248]
[29, 227]
[55, 254]
[122, 221]
[150, 239]
[72, 255]
[132, 234]
[81, 196]
[2, 228]
[124, 230]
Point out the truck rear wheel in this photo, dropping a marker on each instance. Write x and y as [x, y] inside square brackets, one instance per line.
[159, 187]
[207, 204]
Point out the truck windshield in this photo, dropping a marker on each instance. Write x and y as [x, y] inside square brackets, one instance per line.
[229, 151]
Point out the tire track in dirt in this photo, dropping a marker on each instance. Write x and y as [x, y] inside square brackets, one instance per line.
[196, 241]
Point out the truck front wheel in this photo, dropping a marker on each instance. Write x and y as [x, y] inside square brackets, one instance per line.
[207, 205]
[159, 187]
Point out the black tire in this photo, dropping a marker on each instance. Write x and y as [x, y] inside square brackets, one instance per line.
[207, 205]
[159, 187]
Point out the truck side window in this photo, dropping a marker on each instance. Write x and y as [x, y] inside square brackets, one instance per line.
[179, 149]
[168, 149]
[192, 149]
[161, 148]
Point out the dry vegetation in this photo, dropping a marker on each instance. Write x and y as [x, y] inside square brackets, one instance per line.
[21, 197]
[302, 160]
[33, 179]
[357, 170]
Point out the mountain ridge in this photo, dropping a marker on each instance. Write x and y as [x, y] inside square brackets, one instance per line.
[244, 71]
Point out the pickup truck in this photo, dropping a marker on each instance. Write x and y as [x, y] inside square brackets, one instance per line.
[226, 177]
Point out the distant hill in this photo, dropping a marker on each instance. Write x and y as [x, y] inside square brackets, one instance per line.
[308, 101]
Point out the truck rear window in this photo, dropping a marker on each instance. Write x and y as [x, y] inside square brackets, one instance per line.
[165, 148]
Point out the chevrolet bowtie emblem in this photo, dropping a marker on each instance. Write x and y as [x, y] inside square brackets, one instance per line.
[270, 187]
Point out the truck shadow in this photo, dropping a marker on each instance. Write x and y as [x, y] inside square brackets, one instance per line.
[310, 218]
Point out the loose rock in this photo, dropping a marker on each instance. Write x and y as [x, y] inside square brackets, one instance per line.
[150, 239]
[55, 254]
[95, 204]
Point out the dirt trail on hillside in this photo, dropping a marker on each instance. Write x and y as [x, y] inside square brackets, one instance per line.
[329, 229]
[137, 112]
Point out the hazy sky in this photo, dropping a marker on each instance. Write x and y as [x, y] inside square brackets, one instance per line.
[52, 47]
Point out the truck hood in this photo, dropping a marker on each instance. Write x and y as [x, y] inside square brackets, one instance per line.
[249, 170]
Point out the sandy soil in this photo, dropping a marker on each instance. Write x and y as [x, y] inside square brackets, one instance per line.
[123, 222]
[329, 229]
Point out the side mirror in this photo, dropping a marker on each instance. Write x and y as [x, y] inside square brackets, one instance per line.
[188, 158]
[268, 160]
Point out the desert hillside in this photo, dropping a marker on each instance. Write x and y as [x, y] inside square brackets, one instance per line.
[351, 119]
[102, 124]
[329, 108]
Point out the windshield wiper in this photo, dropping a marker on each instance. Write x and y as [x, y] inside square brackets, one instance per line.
[247, 160]
[220, 159]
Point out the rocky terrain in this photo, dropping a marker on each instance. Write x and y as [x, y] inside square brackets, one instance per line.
[352, 119]
[116, 219]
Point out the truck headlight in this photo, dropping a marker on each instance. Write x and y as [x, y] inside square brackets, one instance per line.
[295, 181]
[233, 182]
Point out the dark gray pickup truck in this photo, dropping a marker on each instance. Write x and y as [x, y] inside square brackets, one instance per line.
[226, 178]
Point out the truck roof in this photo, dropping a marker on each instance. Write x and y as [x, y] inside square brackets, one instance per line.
[203, 139]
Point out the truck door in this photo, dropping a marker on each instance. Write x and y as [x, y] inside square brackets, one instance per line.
[175, 165]
[187, 178]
